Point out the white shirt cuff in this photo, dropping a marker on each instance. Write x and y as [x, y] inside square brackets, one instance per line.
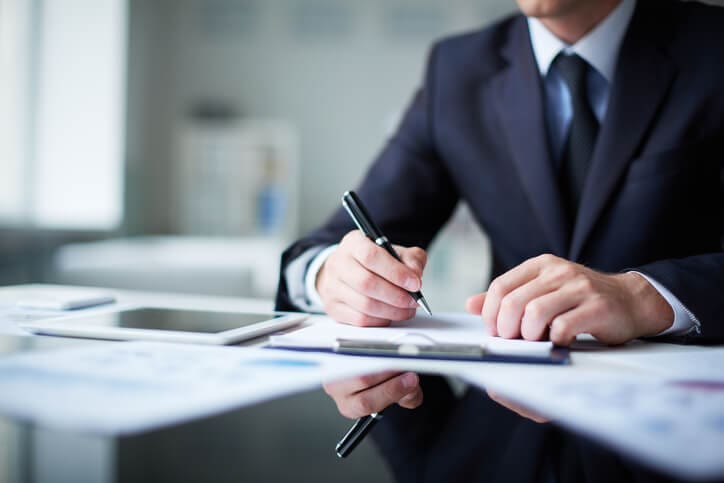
[310, 278]
[301, 274]
[684, 320]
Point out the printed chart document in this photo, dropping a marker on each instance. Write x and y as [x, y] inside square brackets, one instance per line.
[673, 424]
[128, 387]
[451, 328]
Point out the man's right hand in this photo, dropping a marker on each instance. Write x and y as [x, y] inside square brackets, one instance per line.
[361, 284]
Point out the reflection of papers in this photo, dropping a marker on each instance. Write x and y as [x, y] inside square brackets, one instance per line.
[675, 427]
[134, 386]
[442, 328]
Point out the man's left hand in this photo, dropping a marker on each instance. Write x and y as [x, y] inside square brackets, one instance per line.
[548, 296]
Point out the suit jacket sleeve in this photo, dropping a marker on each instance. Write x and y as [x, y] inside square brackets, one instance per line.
[698, 283]
[408, 190]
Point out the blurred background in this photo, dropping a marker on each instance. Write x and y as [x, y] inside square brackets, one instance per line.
[180, 145]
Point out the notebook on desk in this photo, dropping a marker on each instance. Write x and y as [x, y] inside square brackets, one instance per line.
[450, 336]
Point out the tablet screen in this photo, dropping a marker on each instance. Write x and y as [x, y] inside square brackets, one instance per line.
[179, 320]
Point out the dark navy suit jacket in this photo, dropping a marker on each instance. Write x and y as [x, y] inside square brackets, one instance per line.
[653, 201]
[654, 197]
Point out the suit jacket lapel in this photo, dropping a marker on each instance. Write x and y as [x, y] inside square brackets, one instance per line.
[517, 93]
[643, 77]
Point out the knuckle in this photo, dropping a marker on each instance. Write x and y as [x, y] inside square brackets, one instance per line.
[584, 283]
[367, 282]
[367, 254]
[510, 302]
[419, 254]
[533, 311]
[566, 270]
[497, 286]
[546, 258]
[562, 325]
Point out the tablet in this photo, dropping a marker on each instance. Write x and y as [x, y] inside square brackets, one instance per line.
[169, 325]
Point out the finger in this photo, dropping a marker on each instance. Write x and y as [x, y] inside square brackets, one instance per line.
[516, 408]
[474, 303]
[376, 259]
[377, 398]
[566, 326]
[373, 307]
[515, 303]
[413, 257]
[540, 312]
[370, 284]
[354, 385]
[412, 400]
[341, 312]
[509, 281]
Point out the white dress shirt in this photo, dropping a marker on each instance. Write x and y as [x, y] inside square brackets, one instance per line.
[600, 48]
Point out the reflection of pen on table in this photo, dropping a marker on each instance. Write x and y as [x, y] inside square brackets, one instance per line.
[356, 433]
[362, 219]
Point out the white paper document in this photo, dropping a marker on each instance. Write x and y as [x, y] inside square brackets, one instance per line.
[32, 303]
[673, 425]
[453, 328]
[683, 363]
[128, 387]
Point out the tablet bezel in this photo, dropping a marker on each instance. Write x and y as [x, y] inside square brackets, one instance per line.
[74, 327]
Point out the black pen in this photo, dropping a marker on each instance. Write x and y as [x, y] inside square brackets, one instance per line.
[363, 220]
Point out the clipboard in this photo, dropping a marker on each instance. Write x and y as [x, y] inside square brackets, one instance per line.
[420, 346]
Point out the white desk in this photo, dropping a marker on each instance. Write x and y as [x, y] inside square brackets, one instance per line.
[594, 371]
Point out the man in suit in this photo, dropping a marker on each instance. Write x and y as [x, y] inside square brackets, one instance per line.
[587, 137]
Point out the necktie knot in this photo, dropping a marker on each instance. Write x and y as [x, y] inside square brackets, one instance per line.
[573, 69]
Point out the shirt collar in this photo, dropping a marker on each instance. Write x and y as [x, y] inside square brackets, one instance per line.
[599, 47]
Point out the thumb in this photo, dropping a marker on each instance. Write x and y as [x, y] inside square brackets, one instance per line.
[413, 257]
[474, 304]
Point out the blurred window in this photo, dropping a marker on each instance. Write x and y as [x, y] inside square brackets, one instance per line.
[62, 113]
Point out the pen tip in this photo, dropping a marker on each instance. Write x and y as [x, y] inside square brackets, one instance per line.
[423, 303]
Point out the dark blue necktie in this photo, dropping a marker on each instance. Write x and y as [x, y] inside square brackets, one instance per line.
[582, 134]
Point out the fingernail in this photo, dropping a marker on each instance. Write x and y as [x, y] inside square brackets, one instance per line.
[412, 284]
[412, 304]
[409, 380]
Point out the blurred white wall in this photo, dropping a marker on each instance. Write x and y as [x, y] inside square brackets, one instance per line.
[341, 71]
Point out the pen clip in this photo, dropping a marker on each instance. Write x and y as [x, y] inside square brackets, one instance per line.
[359, 214]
